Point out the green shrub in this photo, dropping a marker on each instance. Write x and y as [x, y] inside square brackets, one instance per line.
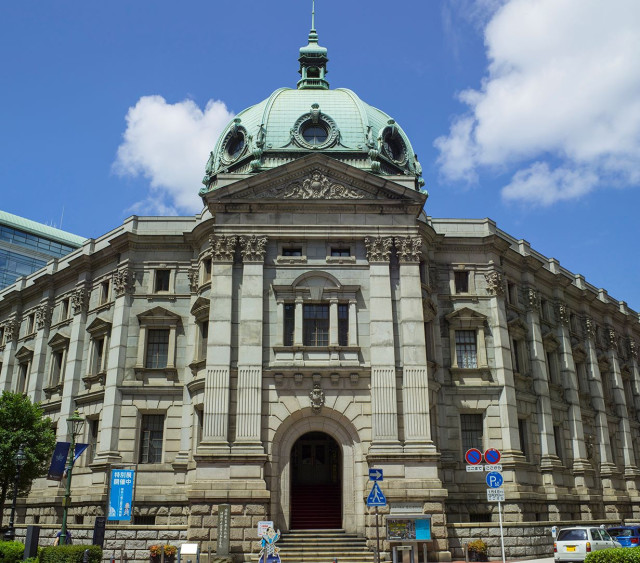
[11, 551]
[70, 554]
[31, 560]
[615, 555]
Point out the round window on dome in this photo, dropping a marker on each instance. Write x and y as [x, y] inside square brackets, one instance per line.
[315, 133]
[235, 146]
[394, 147]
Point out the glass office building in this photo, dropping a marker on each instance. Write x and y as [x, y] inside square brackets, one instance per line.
[26, 246]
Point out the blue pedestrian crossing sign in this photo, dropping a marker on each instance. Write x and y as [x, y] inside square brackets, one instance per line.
[376, 497]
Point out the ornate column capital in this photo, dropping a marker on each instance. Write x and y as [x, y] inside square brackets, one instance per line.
[531, 301]
[122, 281]
[11, 330]
[409, 249]
[589, 327]
[495, 283]
[253, 248]
[43, 315]
[222, 248]
[562, 313]
[633, 348]
[80, 300]
[378, 248]
[611, 338]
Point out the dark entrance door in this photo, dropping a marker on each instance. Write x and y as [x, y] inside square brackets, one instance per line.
[316, 482]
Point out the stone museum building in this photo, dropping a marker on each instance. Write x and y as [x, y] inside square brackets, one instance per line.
[311, 323]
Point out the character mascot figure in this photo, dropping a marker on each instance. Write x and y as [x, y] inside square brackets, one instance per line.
[270, 553]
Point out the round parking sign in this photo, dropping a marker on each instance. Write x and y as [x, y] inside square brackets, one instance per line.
[491, 456]
[494, 480]
[473, 456]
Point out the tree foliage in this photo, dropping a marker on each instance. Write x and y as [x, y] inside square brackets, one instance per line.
[23, 422]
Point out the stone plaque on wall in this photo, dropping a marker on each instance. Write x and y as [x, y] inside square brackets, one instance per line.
[224, 518]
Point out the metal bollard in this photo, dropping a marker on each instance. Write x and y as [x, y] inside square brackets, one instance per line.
[85, 556]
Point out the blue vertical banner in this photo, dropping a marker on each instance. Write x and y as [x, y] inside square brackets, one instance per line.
[58, 461]
[121, 494]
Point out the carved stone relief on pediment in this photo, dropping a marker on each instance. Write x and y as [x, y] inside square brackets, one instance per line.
[316, 185]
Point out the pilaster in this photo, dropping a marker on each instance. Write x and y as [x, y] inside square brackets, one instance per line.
[11, 329]
[415, 388]
[383, 369]
[39, 374]
[249, 408]
[216, 392]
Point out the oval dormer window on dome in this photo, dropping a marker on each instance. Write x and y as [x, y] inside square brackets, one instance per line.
[315, 130]
[235, 144]
[393, 144]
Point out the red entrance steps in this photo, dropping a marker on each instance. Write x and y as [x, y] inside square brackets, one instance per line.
[316, 507]
[324, 546]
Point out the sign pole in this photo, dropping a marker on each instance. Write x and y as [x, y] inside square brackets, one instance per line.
[501, 534]
[377, 537]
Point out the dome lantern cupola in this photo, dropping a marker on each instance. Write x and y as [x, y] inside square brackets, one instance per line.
[313, 60]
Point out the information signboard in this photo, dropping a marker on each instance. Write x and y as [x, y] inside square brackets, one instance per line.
[121, 494]
[495, 495]
[409, 529]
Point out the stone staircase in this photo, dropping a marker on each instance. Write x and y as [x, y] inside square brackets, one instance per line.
[324, 546]
[316, 506]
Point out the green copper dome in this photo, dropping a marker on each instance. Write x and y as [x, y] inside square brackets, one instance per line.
[291, 124]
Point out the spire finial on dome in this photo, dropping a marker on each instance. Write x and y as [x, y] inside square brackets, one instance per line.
[313, 60]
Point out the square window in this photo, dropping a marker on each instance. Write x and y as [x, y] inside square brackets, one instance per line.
[466, 349]
[292, 251]
[462, 282]
[162, 281]
[316, 325]
[340, 252]
[157, 348]
[151, 434]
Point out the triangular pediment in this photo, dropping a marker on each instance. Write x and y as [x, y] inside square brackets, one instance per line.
[59, 340]
[24, 354]
[99, 326]
[314, 180]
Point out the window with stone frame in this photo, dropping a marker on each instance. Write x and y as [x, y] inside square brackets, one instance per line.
[289, 323]
[467, 342]
[200, 312]
[99, 331]
[519, 351]
[151, 438]
[64, 309]
[472, 431]
[199, 414]
[523, 435]
[206, 270]
[104, 292]
[59, 345]
[613, 442]
[343, 324]
[512, 294]
[157, 352]
[466, 349]
[31, 323]
[553, 366]
[24, 357]
[161, 280]
[157, 341]
[461, 281]
[315, 324]
[93, 428]
[558, 439]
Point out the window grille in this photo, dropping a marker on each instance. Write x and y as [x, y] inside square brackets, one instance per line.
[471, 427]
[151, 432]
[466, 349]
[316, 325]
[157, 348]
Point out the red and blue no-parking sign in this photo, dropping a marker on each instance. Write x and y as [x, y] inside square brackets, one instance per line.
[492, 456]
[473, 456]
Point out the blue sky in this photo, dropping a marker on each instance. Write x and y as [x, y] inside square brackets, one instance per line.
[525, 111]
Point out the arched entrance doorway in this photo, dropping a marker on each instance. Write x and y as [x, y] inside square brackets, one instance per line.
[316, 482]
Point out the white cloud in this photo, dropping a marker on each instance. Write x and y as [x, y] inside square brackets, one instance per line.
[169, 144]
[563, 83]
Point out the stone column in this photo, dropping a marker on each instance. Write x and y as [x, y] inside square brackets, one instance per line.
[39, 373]
[504, 370]
[249, 410]
[620, 401]
[384, 405]
[79, 302]
[635, 372]
[353, 322]
[569, 378]
[11, 329]
[539, 370]
[414, 350]
[112, 405]
[216, 390]
[597, 398]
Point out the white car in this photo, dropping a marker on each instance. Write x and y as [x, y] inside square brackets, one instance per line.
[575, 543]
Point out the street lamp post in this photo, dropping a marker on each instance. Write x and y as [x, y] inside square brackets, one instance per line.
[20, 459]
[75, 424]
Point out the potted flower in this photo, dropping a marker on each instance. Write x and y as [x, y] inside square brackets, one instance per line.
[477, 550]
[154, 552]
[170, 552]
